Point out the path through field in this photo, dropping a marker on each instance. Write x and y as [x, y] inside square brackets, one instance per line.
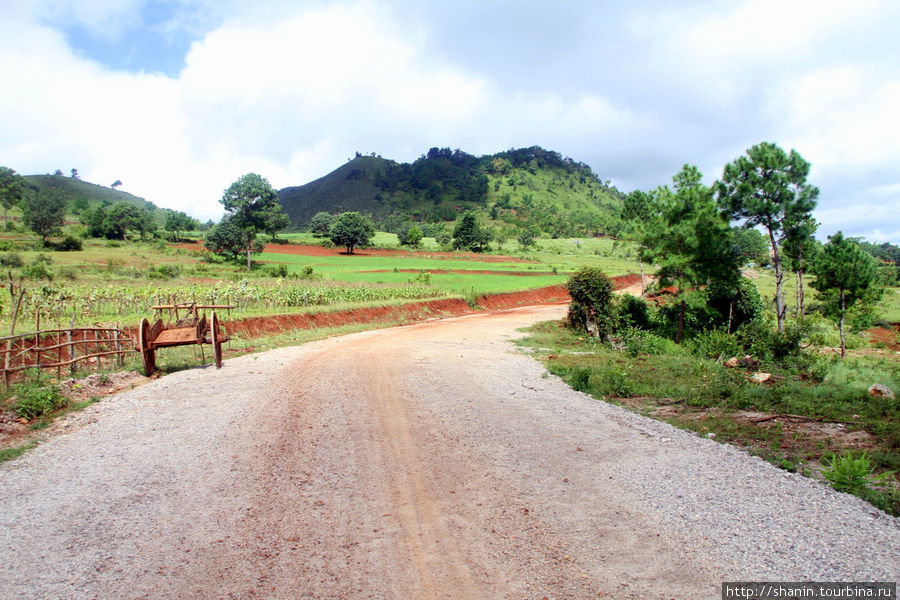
[429, 461]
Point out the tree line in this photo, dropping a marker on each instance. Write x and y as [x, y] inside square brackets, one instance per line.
[686, 231]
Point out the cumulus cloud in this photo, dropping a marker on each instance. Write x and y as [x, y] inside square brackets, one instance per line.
[291, 92]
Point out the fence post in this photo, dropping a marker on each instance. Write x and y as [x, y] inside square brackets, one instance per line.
[73, 368]
[120, 359]
[58, 353]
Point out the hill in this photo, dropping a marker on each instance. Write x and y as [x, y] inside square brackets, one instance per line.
[74, 189]
[514, 189]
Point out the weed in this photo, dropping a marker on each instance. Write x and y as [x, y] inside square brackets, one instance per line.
[36, 397]
[850, 474]
[14, 453]
[581, 380]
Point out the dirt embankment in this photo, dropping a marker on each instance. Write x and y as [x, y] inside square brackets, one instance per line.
[413, 311]
[403, 313]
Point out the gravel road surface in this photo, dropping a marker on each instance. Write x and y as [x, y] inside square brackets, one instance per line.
[429, 461]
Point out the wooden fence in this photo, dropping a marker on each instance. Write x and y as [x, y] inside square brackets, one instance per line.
[63, 349]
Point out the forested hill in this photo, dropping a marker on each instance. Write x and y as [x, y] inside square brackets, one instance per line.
[527, 186]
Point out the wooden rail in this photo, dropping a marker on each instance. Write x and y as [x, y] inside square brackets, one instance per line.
[62, 348]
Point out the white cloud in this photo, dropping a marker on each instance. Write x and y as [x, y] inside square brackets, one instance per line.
[291, 92]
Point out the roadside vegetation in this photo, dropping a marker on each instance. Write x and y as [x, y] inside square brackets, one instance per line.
[708, 353]
[723, 305]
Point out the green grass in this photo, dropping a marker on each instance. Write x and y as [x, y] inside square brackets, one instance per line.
[16, 451]
[704, 396]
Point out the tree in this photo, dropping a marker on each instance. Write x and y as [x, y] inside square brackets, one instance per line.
[275, 221]
[116, 183]
[591, 308]
[12, 189]
[177, 222]
[468, 235]
[845, 276]
[799, 247]
[768, 187]
[44, 212]
[74, 173]
[252, 206]
[751, 245]
[321, 223]
[414, 237]
[686, 234]
[230, 240]
[527, 236]
[119, 218]
[79, 205]
[637, 209]
[351, 229]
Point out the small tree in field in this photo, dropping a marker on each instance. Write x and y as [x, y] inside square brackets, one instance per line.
[414, 237]
[845, 277]
[350, 230]
[229, 240]
[591, 308]
[43, 213]
[252, 206]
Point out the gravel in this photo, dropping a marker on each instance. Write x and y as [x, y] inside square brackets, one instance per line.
[431, 461]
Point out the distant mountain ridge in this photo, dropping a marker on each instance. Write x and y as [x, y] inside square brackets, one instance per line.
[516, 188]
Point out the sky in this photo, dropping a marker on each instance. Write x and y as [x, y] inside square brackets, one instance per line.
[179, 98]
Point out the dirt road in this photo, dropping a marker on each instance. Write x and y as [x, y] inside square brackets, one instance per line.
[430, 461]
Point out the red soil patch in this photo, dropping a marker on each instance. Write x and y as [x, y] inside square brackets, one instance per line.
[888, 337]
[466, 272]
[320, 251]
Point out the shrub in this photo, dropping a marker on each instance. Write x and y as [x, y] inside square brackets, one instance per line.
[70, 243]
[279, 270]
[616, 381]
[634, 312]
[592, 308]
[714, 344]
[164, 272]
[637, 341]
[36, 397]
[851, 475]
[11, 260]
[581, 379]
[735, 307]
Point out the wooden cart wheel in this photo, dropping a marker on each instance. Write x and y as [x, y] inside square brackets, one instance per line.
[216, 339]
[147, 354]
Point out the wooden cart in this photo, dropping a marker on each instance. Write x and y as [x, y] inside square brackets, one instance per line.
[193, 328]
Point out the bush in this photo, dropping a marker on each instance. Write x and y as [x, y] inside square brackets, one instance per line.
[11, 260]
[70, 243]
[634, 312]
[735, 307]
[637, 341]
[164, 272]
[592, 308]
[714, 344]
[35, 397]
[851, 475]
[279, 270]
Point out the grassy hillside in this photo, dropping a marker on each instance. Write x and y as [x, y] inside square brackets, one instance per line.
[513, 189]
[72, 189]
